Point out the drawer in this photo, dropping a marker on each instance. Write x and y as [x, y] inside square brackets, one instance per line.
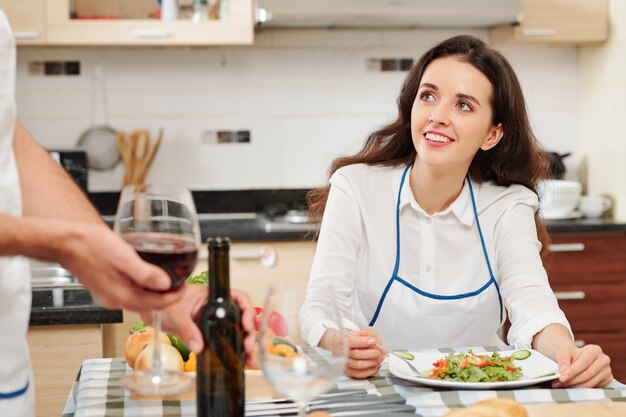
[593, 307]
[587, 258]
[613, 344]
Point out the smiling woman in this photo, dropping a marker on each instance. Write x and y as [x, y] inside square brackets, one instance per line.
[433, 225]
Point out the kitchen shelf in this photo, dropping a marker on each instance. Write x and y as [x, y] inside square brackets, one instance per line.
[27, 20]
[237, 29]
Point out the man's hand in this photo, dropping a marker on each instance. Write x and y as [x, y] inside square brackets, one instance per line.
[111, 269]
[179, 318]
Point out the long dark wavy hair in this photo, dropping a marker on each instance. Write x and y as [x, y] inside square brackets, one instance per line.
[516, 159]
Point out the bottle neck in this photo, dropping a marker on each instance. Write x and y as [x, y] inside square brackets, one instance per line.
[219, 273]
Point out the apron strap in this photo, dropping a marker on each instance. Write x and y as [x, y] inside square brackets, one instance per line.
[482, 242]
[13, 394]
[397, 265]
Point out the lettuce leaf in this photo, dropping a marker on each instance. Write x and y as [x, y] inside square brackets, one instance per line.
[201, 279]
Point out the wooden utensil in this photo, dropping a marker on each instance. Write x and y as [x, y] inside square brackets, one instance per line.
[137, 154]
[123, 145]
[150, 153]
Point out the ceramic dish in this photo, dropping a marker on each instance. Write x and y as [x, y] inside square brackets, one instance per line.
[536, 369]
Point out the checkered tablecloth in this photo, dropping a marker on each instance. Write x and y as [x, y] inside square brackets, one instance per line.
[97, 393]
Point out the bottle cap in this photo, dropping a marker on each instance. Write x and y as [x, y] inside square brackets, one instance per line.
[218, 242]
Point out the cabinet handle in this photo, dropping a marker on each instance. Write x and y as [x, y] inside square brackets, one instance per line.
[570, 295]
[567, 247]
[266, 255]
[26, 35]
[150, 34]
[538, 32]
[580, 342]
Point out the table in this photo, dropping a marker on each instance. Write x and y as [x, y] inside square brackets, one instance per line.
[97, 393]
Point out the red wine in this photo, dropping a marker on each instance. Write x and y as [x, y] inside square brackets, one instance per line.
[176, 255]
[220, 383]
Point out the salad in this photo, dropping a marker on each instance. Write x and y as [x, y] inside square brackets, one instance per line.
[470, 367]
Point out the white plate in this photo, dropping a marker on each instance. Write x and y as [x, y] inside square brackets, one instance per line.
[535, 368]
[571, 215]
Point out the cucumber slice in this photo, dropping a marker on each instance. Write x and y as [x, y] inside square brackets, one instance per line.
[404, 355]
[520, 354]
[278, 341]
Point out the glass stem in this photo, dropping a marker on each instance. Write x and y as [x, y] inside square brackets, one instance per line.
[156, 353]
[302, 408]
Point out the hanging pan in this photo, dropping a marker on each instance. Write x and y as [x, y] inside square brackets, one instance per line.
[99, 141]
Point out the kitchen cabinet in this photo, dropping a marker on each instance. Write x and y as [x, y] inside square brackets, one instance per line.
[27, 20]
[588, 275]
[564, 21]
[57, 352]
[237, 28]
[292, 264]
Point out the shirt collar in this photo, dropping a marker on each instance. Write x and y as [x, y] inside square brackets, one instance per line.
[461, 207]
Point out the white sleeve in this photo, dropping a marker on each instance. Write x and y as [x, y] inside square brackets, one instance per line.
[524, 285]
[335, 261]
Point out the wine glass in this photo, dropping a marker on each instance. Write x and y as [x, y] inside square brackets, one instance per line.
[292, 366]
[161, 223]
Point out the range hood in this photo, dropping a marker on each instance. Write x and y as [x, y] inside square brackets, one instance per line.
[387, 13]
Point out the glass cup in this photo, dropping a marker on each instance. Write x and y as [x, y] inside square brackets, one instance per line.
[292, 366]
[161, 223]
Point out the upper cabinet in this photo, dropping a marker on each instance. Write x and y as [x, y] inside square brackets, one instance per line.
[564, 21]
[27, 20]
[139, 22]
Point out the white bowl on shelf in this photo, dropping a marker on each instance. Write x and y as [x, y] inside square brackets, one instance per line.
[558, 199]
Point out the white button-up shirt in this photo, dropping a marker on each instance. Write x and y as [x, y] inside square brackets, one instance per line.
[440, 253]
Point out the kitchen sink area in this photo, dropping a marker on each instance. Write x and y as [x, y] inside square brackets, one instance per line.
[51, 276]
[59, 298]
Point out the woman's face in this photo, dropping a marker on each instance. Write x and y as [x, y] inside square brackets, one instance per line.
[451, 115]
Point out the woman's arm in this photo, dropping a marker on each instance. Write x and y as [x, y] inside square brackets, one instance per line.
[536, 319]
[585, 367]
[336, 264]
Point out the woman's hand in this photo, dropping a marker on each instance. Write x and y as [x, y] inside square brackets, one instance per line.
[585, 367]
[364, 358]
[179, 318]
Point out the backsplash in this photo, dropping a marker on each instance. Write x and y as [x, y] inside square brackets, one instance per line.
[304, 96]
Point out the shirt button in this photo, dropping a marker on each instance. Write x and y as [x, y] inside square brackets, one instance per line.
[429, 220]
[428, 268]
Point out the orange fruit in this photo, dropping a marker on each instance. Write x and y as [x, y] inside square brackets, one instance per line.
[190, 365]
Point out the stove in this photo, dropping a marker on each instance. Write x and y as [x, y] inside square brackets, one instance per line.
[292, 220]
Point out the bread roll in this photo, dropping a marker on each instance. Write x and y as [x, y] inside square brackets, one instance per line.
[498, 407]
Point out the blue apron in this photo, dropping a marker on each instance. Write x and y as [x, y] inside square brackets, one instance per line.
[417, 318]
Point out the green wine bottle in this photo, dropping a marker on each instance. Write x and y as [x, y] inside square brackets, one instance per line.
[219, 370]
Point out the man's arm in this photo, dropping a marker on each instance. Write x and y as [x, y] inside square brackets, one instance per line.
[47, 190]
[60, 225]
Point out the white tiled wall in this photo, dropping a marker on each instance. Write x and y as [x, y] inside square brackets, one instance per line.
[306, 96]
[603, 103]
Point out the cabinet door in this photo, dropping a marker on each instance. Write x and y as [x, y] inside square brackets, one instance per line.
[563, 21]
[593, 307]
[293, 264]
[587, 259]
[235, 29]
[57, 352]
[27, 20]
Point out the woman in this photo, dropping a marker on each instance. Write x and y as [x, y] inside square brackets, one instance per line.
[430, 233]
